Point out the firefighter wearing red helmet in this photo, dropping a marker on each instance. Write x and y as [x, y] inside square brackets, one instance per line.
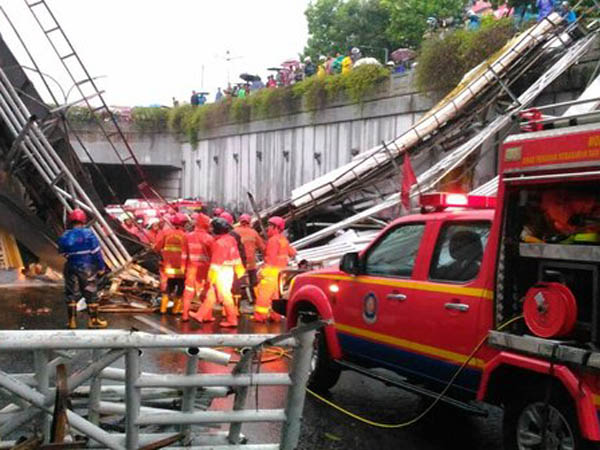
[172, 245]
[199, 251]
[277, 255]
[84, 263]
[252, 242]
[217, 212]
[225, 262]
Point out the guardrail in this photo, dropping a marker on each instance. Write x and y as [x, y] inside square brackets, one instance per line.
[175, 404]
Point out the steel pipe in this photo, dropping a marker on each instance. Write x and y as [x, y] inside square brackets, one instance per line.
[105, 407]
[300, 373]
[41, 402]
[102, 339]
[252, 415]
[40, 363]
[260, 379]
[189, 393]
[133, 400]
[94, 368]
[95, 392]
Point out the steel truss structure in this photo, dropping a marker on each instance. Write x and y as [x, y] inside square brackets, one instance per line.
[429, 179]
[142, 398]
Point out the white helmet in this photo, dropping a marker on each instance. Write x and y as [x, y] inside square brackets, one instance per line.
[355, 50]
[322, 58]
[307, 59]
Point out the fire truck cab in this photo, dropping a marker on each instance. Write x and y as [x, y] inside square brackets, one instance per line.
[498, 304]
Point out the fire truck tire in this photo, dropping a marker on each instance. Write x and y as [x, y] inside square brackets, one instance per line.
[524, 420]
[324, 371]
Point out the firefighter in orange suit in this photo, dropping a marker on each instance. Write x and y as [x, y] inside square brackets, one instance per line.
[252, 242]
[199, 247]
[172, 246]
[277, 255]
[225, 261]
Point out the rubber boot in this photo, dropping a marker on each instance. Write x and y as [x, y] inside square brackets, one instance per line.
[164, 301]
[275, 317]
[185, 314]
[94, 321]
[72, 314]
[260, 318]
[177, 306]
[231, 321]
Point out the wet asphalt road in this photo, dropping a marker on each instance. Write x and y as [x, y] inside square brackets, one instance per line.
[322, 428]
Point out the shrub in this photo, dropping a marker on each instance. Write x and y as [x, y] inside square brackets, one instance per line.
[363, 81]
[444, 60]
[146, 119]
[80, 114]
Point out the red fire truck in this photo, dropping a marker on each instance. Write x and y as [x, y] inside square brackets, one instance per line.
[507, 296]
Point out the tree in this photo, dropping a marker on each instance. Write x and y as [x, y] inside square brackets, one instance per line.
[338, 25]
[408, 18]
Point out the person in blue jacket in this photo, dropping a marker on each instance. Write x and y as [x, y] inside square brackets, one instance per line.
[545, 8]
[567, 13]
[84, 263]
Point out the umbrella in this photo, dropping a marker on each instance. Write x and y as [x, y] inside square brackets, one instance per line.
[503, 11]
[403, 54]
[481, 7]
[249, 78]
[275, 68]
[363, 61]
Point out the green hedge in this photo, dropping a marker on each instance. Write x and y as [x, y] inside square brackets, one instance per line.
[315, 93]
[445, 59]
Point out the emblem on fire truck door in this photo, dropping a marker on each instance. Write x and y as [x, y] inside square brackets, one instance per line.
[370, 308]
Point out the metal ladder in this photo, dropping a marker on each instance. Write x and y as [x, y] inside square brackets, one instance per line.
[3, 258]
[30, 141]
[87, 88]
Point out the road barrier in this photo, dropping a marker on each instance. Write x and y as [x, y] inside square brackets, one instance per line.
[173, 403]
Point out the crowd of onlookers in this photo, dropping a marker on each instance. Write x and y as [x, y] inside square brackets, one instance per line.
[290, 72]
[534, 10]
[294, 71]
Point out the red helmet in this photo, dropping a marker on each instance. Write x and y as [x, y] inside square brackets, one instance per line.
[277, 222]
[245, 218]
[179, 219]
[203, 221]
[228, 217]
[77, 215]
[218, 211]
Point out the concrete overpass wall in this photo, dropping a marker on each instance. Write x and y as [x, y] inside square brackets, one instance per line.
[159, 153]
[272, 157]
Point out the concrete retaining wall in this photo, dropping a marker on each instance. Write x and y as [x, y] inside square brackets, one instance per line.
[272, 157]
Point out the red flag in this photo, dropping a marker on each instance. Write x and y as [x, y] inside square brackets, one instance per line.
[408, 179]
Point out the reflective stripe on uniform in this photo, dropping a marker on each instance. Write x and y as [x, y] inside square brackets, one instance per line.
[190, 288]
[262, 309]
[199, 258]
[172, 248]
[173, 271]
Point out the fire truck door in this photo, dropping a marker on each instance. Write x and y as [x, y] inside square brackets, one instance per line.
[451, 298]
[373, 305]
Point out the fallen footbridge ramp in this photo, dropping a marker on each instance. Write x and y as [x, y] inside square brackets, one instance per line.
[81, 380]
[445, 126]
[429, 179]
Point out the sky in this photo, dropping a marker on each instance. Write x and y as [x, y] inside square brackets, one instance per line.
[145, 52]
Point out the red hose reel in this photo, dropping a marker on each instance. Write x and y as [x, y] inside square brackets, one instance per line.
[550, 310]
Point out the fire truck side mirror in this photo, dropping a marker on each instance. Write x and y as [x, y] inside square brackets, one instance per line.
[350, 263]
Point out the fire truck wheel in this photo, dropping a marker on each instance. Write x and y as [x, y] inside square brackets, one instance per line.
[530, 423]
[324, 372]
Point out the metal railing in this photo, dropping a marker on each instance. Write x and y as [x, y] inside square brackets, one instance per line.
[175, 404]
